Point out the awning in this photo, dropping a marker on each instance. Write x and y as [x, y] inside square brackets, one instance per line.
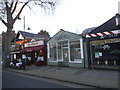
[18, 42]
[29, 49]
[102, 34]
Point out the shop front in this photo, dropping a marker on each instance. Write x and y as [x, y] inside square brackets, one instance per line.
[105, 53]
[16, 50]
[66, 49]
[29, 46]
[35, 53]
[104, 49]
[102, 45]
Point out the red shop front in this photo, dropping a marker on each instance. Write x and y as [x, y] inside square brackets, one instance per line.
[35, 53]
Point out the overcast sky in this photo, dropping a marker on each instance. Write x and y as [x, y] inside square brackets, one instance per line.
[71, 15]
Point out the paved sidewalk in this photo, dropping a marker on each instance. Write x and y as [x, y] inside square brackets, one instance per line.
[99, 78]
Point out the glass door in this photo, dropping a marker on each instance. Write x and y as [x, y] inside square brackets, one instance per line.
[60, 52]
[65, 56]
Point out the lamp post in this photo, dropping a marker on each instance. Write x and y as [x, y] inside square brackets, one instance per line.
[24, 25]
[24, 37]
[24, 56]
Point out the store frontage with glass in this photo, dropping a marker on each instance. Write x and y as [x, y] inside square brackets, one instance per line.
[66, 49]
[103, 45]
[105, 53]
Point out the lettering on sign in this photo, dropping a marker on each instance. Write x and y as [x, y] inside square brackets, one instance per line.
[62, 37]
[109, 36]
[36, 43]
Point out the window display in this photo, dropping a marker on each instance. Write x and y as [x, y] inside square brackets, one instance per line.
[40, 58]
[106, 54]
[53, 51]
[59, 51]
[75, 51]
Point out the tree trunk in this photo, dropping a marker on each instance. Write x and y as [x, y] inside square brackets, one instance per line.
[8, 38]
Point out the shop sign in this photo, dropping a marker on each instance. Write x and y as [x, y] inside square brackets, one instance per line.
[102, 47]
[101, 42]
[62, 37]
[32, 44]
[112, 40]
[109, 36]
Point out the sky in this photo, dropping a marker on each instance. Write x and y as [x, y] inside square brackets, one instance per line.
[71, 15]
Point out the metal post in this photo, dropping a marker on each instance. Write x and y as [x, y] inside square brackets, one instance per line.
[24, 23]
[23, 63]
[24, 31]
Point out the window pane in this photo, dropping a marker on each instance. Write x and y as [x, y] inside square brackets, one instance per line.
[59, 51]
[75, 51]
[53, 51]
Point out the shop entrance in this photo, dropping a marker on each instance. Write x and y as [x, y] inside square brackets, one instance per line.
[65, 56]
[31, 57]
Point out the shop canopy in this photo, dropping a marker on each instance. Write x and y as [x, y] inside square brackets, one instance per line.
[19, 42]
[102, 34]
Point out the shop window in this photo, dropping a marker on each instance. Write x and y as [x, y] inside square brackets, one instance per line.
[107, 54]
[35, 54]
[59, 51]
[53, 52]
[15, 56]
[75, 51]
[40, 58]
[29, 58]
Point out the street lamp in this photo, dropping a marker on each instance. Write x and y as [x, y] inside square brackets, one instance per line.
[24, 56]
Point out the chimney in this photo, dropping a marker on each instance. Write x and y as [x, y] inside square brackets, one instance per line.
[117, 19]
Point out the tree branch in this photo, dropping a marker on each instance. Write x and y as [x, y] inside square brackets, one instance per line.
[20, 11]
[11, 5]
[3, 22]
[6, 3]
[14, 7]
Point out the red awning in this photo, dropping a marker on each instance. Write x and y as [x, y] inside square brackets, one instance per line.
[29, 49]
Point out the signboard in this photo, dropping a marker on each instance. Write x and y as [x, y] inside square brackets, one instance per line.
[98, 54]
[101, 42]
[36, 43]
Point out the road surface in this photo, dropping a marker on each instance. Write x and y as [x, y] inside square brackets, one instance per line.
[11, 80]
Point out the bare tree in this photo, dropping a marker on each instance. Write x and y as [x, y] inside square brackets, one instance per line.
[9, 13]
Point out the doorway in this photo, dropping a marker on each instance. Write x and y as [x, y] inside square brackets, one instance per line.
[65, 56]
